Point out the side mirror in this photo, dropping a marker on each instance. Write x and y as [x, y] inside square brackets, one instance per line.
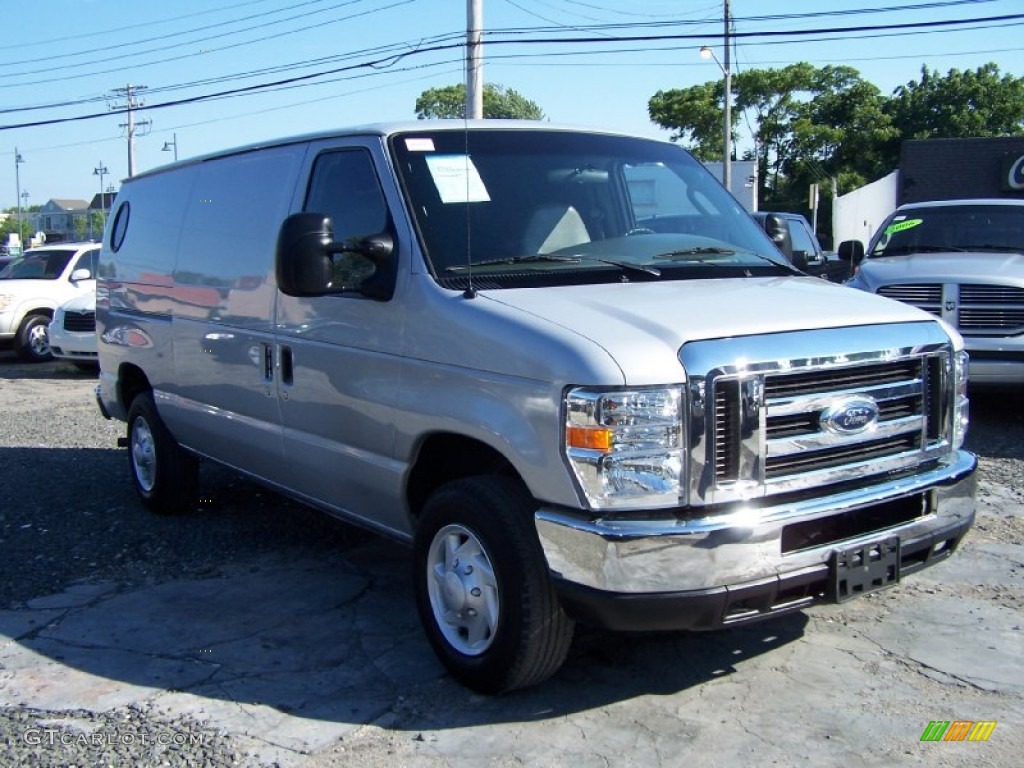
[800, 260]
[305, 265]
[81, 274]
[851, 251]
[778, 230]
[303, 257]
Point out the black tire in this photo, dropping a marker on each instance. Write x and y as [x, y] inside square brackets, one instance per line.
[522, 635]
[165, 476]
[32, 342]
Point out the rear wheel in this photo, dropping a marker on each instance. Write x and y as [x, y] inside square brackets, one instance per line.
[32, 342]
[166, 476]
[482, 587]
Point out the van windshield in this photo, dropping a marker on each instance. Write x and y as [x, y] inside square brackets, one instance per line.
[569, 206]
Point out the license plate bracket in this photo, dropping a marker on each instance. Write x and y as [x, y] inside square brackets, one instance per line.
[865, 568]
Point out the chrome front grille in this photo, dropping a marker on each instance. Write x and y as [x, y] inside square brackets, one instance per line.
[765, 430]
[927, 296]
[972, 309]
[80, 322]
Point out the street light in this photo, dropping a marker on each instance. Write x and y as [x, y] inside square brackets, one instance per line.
[101, 171]
[707, 53]
[172, 144]
[17, 185]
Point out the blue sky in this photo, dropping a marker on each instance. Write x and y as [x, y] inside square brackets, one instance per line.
[79, 51]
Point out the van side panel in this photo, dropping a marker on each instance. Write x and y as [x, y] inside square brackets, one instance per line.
[137, 281]
[225, 402]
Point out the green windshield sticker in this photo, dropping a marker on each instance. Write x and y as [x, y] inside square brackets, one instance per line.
[902, 225]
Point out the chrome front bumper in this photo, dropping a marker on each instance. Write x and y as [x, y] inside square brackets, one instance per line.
[596, 560]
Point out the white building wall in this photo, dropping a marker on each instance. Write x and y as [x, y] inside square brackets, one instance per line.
[856, 216]
[744, 180]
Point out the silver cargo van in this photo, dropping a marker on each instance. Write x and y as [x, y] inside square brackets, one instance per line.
[565, 366]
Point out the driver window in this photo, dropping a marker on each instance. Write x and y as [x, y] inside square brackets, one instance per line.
[344, 186]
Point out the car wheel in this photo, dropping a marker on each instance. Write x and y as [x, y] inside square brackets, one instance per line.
[483, 591]
[32, 342]
[166, 476]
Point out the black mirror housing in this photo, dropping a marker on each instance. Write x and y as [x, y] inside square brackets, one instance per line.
[303, 257]
[778, 230]
[304, 263]
[851, 251]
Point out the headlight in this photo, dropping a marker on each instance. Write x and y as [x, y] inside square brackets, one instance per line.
[625, 446]
[961, 403]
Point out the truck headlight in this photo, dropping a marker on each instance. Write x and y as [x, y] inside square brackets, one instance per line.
[625, 446]
[961, 403]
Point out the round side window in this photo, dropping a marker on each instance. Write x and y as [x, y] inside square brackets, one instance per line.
[120, 226]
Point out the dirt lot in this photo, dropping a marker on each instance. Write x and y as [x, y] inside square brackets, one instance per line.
[258, 632]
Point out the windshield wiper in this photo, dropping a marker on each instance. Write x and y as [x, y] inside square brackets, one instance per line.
[707, 250]
[712, 250]
[646, 268]
[530, 258]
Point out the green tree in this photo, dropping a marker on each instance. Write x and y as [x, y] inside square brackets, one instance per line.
[694, 117]
[499, 102]
[962, 104]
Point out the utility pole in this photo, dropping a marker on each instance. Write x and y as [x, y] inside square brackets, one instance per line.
[131, 103]
[474, 59]
[727, 128]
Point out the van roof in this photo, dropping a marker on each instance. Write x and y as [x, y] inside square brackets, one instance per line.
[384, 130]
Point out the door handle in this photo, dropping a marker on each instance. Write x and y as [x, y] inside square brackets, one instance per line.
[287, 365]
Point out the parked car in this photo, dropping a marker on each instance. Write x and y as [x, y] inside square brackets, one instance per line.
[792, 234]
[963, 261]
[73, 332]
[565, 366]
[32, 288]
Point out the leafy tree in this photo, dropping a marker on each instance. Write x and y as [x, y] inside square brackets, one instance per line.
[694, 116]
[10, 224]
[499, 102]
[963, 104]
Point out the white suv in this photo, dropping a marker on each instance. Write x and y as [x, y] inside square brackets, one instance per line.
[34, 285]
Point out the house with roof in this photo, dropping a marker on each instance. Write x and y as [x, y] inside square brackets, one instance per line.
[57, 219]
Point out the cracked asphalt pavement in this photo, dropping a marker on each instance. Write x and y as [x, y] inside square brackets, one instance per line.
[257, 632]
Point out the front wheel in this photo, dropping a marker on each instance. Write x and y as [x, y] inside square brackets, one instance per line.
[166, 477]
[482, 587]
[32, 342]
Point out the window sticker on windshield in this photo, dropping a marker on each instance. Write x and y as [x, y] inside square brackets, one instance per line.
[902, 225]
[457, 179]
[419, 145]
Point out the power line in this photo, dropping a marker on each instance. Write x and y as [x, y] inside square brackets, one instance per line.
[167, 35]
[220, 49]
[389, 61]
[113, 30]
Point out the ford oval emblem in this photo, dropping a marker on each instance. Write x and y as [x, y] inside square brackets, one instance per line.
[850, 415]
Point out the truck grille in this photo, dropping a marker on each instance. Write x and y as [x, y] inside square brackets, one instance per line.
[971, 309]
[80, 322]
[780, 426]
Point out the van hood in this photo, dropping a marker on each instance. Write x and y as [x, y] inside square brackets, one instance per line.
[632, 321]
[980, 267]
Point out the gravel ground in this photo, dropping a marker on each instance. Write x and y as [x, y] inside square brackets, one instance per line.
[69, 515]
